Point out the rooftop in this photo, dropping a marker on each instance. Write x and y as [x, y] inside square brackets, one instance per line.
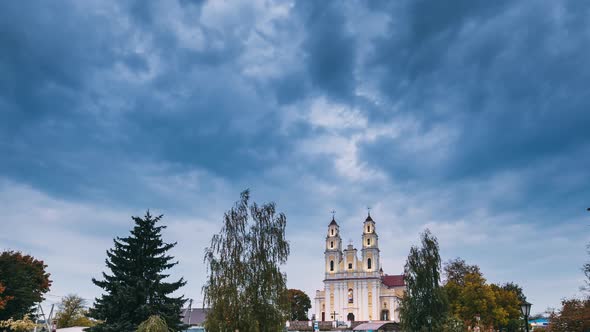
[393, 280]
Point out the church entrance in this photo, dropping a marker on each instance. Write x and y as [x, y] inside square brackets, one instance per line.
[323, 316]
[350, 317]
[384, 314]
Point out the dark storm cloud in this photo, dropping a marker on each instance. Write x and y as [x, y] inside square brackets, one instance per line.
[509, 79]
[65, 116]
[502, 83]
[463, 116]
[330, 49]
[46, 53]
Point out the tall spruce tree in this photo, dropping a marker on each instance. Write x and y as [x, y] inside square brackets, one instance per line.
[245, 288]
[136, 288]
[424, 306]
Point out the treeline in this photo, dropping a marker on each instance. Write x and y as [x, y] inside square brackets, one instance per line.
[456, 297]
[246, 289]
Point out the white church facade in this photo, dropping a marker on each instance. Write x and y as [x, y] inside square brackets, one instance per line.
[356, 289]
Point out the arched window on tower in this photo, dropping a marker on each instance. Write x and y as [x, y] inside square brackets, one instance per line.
[368, 242]
[368, 228]
[331, 244]
[332, 230]
[331, 265]
[368, 264]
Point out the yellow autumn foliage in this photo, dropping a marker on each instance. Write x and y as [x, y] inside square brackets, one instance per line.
[24, 325]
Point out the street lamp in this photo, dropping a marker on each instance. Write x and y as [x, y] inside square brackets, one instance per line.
[429, 319]
[525, 309]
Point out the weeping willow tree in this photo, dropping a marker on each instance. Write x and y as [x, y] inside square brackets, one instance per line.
[245, 289]
[153, 324]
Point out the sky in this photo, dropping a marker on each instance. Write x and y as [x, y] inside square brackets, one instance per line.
[469, 118]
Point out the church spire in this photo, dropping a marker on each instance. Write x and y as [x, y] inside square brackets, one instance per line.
[368, 214]
[333, 222]
[370, 241]
[333, 251]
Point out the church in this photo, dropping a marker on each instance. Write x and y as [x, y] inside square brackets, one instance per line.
[357, 289]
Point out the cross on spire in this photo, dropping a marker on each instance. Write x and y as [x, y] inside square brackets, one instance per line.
[333, 212]
[369, 211]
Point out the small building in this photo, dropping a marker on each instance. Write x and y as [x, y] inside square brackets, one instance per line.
[539, 322]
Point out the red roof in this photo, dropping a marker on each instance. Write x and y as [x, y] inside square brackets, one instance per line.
[393, 281]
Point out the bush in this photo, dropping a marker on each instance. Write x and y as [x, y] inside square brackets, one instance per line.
[25, 324]
[153, 324]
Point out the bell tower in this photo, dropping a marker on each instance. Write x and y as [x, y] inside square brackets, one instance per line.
[370, 251]
[333, 252]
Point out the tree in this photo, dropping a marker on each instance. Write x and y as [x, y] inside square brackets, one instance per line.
[245, 288]
[477, 299]
[513, 287]
[574, 316]
[153, 324]
[469, 295]
[507, 312]
[300, 304]
[456, 270]
[24, 280]
[136, 287]
[72, 312]
[453, 324]
[424, 299]
[3, 298]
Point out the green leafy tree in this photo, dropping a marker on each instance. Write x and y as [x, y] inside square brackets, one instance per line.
[300, 304]
[153, 324]
[25, 281]
[424, 299]
[513, 287]
[245, 288]
[477, 299]
[72, 312]
[453, 324]
[455, 271]
[469, 295]
[136, 287]
[507, 312]
[510, 299]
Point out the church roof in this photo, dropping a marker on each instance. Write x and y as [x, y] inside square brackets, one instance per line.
[369, 218]
[393, 281]
[333, 222]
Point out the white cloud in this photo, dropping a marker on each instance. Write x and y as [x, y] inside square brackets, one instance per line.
[335, 116]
